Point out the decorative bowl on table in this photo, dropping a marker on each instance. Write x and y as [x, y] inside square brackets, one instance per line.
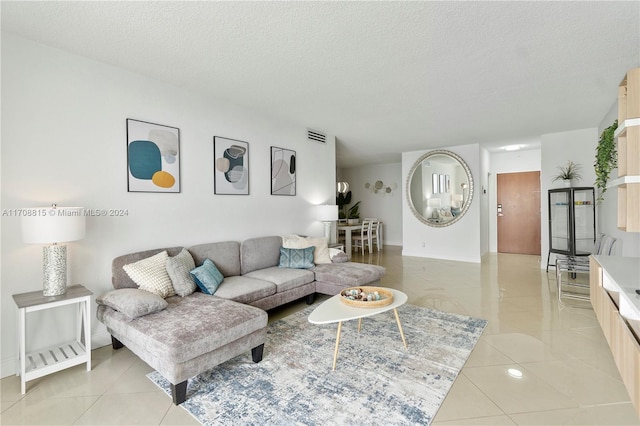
[366, 297]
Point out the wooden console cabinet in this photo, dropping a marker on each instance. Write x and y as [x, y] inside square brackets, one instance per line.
[613, 281]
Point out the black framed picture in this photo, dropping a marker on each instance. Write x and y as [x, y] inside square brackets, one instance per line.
[283, 171]
[231, 166]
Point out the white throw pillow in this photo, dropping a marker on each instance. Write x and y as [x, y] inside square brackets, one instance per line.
[151, 274]
[321, 252]
[179, 268]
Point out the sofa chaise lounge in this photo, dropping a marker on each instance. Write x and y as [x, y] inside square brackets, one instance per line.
[184, 335]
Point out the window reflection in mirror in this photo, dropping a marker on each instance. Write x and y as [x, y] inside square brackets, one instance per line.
[439, 188]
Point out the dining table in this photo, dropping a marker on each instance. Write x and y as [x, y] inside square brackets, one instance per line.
[347, 235]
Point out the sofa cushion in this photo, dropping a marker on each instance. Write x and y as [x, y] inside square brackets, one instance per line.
[179, 269]
[284, 278]
[151, 274]
[187, 328]
[244, 289]
[348, 274]
[120, 279]
[260, 253]
[207, 277]
[296, 258]
[132, 302]
[226, 256]
[321, 253]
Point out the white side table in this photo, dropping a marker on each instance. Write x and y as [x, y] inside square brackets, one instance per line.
[58, 357]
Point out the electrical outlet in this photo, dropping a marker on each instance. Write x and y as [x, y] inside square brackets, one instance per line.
[423, 245]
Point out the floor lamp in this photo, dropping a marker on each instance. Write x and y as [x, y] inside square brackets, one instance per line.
[328, 214]
[53, 225]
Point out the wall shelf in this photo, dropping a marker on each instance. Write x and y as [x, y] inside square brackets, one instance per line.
[628, 139]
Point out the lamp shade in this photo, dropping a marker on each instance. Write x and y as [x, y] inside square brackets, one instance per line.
[53, 225]
[327, 213]
[434, 202]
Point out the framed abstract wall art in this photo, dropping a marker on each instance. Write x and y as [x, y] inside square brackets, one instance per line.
[231, 166]
[153, 157]
[283, 171]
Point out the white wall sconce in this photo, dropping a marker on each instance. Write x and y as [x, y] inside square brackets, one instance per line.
[343, 187]
[53, 225]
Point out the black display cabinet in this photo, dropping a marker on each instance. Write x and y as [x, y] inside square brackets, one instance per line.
[572, 222]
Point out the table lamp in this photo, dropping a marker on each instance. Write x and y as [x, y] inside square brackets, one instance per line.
[51, 226]
[327, 214]
[457, 200]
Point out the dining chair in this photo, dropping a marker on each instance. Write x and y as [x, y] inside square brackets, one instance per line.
[375, 236]
[363, 239]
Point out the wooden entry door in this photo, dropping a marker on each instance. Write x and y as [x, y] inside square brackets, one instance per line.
[519, 213]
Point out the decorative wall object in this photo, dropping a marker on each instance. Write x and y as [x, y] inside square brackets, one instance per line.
[153, 157]
[379, 187]
[283, 171]
[231, 174]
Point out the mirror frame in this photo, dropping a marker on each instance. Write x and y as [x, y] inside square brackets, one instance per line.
[468, 201]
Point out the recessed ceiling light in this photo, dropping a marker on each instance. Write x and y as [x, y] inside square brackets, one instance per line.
[512, 147]
[513, 372]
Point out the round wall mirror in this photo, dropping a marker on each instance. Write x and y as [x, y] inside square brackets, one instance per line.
[439, 188]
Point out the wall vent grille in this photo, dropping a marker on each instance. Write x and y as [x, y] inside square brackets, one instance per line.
[315, 136]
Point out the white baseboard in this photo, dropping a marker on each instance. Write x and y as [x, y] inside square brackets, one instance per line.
[9, 366]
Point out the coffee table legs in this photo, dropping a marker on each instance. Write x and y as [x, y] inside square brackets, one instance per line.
[395, 311]
[335, 352]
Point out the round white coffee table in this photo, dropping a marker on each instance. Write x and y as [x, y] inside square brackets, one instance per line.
[335, 310]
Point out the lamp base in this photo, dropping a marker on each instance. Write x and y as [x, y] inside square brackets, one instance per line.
[327, 232]
[54, 269]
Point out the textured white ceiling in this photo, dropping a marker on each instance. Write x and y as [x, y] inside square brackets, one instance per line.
[384, 77]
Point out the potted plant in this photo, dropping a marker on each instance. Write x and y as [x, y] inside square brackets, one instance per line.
[568, 173]
[343, 200]
[606, 159]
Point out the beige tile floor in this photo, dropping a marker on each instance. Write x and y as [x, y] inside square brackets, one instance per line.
[568, 374]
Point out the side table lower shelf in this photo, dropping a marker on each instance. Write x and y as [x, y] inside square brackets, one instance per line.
[54, 358]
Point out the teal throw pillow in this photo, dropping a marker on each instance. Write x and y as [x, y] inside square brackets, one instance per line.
[296, 258]
[207, 277]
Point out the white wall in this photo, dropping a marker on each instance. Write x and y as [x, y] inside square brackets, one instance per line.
[64, 142]
[508, 162]
[628, 243]
[385, 206]
[461, 241]
[556, 149]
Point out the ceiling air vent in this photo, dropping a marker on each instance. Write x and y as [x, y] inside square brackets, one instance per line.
[312, 135]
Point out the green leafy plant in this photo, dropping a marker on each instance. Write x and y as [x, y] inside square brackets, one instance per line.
[354, 212]
[568, 172]
[606, 159]
[343, 200]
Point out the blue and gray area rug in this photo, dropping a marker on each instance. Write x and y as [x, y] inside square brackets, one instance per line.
[376, 380]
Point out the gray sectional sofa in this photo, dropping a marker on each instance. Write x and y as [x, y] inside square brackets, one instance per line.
[182, 337]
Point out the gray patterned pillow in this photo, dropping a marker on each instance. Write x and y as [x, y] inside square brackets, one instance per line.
[132, 302]
[178, 268]
[151, 274]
